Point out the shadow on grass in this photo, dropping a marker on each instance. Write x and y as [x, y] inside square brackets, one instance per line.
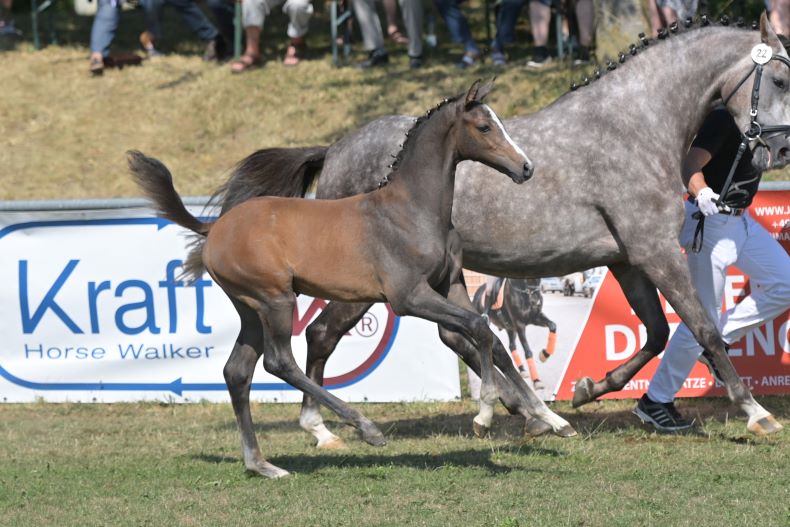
[467, 458]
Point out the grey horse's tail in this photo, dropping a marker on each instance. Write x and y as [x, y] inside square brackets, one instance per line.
[286, 172]
[156, 182]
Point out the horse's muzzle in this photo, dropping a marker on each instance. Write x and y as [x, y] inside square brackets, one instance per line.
[528, 170]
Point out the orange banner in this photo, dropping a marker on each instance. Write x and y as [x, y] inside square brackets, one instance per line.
[613, 333]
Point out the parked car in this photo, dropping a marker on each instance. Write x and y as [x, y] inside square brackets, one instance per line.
[572, 284]
[591, 284]
[551, 285]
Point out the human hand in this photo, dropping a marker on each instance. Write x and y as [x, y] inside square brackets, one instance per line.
[706, 201]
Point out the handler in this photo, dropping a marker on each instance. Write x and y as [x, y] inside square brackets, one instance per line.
[730, 237]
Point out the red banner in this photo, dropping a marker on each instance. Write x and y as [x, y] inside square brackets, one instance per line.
[613, 333]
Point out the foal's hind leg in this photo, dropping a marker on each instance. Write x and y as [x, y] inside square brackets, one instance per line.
[238, 373]
[641, 294]
[323, 335]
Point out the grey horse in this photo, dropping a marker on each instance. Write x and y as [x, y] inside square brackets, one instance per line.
[608, 155]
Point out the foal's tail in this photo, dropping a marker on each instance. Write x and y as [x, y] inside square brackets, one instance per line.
[156, 182]
[286, 172]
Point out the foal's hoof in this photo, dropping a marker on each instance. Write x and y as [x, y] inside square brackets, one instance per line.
[373, 436]
[535, 427]
[481, 431]
[764, 426]
[332, 443]
[582, 394]
[267, 470]
[565, 431]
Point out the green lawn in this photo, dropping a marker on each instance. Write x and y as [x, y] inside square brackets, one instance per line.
[152, 464]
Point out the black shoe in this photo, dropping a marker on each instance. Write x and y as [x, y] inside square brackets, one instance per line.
[415, 63]
[582, 56]
[215, 50]
[540, 58]
[663, 416]
[707, 359]
[377, 57]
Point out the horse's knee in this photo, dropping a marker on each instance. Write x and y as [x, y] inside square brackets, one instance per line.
[236, 375]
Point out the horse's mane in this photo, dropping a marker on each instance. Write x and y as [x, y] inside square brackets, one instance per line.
[410, 137]
[643, 43]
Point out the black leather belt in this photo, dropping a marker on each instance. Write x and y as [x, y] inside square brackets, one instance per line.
[730, 212]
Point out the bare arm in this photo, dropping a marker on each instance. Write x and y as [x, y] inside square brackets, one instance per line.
[693, 178]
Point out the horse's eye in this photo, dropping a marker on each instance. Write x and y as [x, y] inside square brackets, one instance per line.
[779, 83]
[484, 129]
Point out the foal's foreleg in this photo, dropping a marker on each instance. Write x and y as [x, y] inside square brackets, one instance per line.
[643, 298]
[323, 335]
[514, 392]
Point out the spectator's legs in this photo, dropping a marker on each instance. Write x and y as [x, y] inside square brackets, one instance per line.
[223, 12]
[105, 23]
[585, 16]
[253, 13]
[6, 20]
[780, 16]
[505, 29]
[412, 20]
[369, 24]
[458, 27]
[194, 18]
[299, 13]
[391, 14]
[539, 18]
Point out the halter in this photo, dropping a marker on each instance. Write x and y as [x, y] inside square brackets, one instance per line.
[761, 55]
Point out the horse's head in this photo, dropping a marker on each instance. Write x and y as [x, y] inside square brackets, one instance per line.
[757, 94]
[481, 136]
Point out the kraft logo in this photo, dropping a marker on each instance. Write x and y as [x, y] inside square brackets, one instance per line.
[96, 299]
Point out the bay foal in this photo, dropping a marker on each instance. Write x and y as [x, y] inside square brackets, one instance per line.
[395, 245]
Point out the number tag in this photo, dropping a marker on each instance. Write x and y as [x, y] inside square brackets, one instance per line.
[761, 54]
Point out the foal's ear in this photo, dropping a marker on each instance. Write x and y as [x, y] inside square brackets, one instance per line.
[471, 95]
[768, 35]
[485, 89]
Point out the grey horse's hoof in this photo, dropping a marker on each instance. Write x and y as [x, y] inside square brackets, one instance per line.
[333, 443]
[582, 394]
[764, 426]
[481, 431]
[535, 427]
[267, 470]
[565, 431]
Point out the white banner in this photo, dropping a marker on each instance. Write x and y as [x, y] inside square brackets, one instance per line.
[92, 310]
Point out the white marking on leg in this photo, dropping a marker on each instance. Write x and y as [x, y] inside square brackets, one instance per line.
[485, 415]
[311, 421]
[495, 118]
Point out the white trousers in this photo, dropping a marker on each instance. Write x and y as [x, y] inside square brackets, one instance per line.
[254, 12]
[728, 240]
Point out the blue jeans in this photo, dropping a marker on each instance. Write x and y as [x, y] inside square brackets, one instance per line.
[223, 11]
[188, 10]
[105, 23]
[457, 24]
[506, 23]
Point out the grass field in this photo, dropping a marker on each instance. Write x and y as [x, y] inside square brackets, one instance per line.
[152, 464]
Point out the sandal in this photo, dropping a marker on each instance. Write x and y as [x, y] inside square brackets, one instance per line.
[97, 66]
[244, 63]
[295, 52]
[396, 36]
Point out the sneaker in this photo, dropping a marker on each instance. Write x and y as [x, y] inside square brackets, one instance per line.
[582, 56]
[377, 57]
[498, 59]
[663, 416]
[216, 50]
[415, 63]
[540, 58]
[468, 60]
[707, 359]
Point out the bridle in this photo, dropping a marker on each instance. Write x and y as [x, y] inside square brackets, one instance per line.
[761, 55]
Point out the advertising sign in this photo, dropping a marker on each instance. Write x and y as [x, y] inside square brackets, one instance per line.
[94, 309]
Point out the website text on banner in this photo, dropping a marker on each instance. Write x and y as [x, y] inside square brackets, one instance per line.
[95, 311]
[612, 332]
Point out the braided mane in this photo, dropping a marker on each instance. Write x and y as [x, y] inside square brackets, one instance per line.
[410, 135]
[689, 24]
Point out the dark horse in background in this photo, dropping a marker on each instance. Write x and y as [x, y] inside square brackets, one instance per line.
[607, 192]
[522, 305]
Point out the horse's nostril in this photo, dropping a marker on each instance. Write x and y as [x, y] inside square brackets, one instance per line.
[783, 152]
[527, 170]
